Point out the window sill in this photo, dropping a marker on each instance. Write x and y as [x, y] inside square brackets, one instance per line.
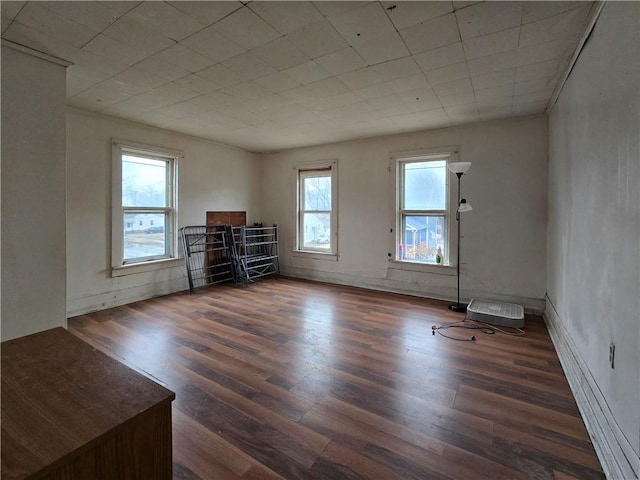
[150, 266]
[423, 267]
[314, 255]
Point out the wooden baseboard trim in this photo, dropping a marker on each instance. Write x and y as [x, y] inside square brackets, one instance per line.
[614, 451]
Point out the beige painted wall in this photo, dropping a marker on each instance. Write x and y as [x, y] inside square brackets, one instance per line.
[503, 249]
[593, 262]
[33, 194]
[211, 177]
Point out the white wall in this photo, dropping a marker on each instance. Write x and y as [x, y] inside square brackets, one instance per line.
[33, 194]
[593, 263]
[503, 252]
[211, 177]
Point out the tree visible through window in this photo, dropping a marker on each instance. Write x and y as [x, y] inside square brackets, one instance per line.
[422, 209]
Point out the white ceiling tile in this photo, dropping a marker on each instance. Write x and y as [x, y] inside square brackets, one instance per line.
[162, 68]
[317, 39]
[280, 54]
[343, 61]
[382, 49]
[463, 4]
[5, 22]
[81, 78]
[363, 24]
[206, 12]
[89, 101]
[494, 79]
[119, 7]
[127, 87]
[110, 48]
[501, 102]
[185, 57]
[387, 101]
[533, 11]
[407, 83]
[491, 113]
[400, 68]
[431, 34]
[302, 95]
[306, 73]
[457, 99]
[528, 108]
[532, 97]
[406, 14]
[107, 92]
[531, 86]
[328, 87]
[133, 33]
[346, 98]
[248, 89]
[175, 91]
[53, 25]
[492, 44]
[93, 15]
[375, 91]
[97, 62]
[246, 29]
[493, 63]
[37, 40]
[221, 75]
[563, 47]
[361, 78]
[165, 19]
[448, 73]
[248, 66]
[197, 84]
[492, 93]
[559, 26]
[140, 76]
[488, 17]
[286, 17]
[212, 45]
[550, 68]
[453, 88]
[464, 110]
[441, 57]
[10, 9]
[330, 8]
[210, 101]
[417, 95]
[425, 104]
[277, 82]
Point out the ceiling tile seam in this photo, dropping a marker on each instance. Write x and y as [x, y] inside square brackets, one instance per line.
[413, 57]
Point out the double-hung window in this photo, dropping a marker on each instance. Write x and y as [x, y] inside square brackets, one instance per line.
[422, 214]
[144, 204]
[317, 216]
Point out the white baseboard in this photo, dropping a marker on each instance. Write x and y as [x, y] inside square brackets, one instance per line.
[116, 298]
[395, 285]
[614, 451]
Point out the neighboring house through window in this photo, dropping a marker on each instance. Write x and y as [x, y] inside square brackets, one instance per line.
[317, 215]
[422, 213]
[144, 203]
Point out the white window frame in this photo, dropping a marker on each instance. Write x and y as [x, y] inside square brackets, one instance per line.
[119, 265]
[313, 169]
[448, 154]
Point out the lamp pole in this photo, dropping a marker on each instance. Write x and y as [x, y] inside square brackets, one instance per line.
[458, 307]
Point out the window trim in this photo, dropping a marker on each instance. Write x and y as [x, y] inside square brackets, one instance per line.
[449, 154]
[332, 166]
[118, 266]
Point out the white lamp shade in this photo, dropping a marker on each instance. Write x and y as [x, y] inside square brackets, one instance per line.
[459, 167]
[464, 206]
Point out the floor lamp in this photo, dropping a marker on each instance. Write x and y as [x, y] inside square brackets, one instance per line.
[459, 168]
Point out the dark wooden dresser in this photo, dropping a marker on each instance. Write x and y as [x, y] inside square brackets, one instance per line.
[72, 412]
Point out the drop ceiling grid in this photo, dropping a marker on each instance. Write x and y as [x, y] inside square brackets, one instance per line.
[273, 75]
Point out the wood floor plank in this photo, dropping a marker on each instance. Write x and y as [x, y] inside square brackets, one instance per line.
[292, 379]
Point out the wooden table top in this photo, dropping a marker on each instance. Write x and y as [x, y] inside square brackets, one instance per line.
[60, 395]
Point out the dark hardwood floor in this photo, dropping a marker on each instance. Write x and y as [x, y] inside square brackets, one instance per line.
[301, 380]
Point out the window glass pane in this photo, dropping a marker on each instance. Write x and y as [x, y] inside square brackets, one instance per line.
[144, 182]
[144, 235]
[317, 193]
[425, 185]
[421, 237]
[316, 231]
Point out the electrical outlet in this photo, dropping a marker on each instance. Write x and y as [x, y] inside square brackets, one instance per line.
[612, 354]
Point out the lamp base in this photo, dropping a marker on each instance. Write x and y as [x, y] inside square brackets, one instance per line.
[458, 307]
